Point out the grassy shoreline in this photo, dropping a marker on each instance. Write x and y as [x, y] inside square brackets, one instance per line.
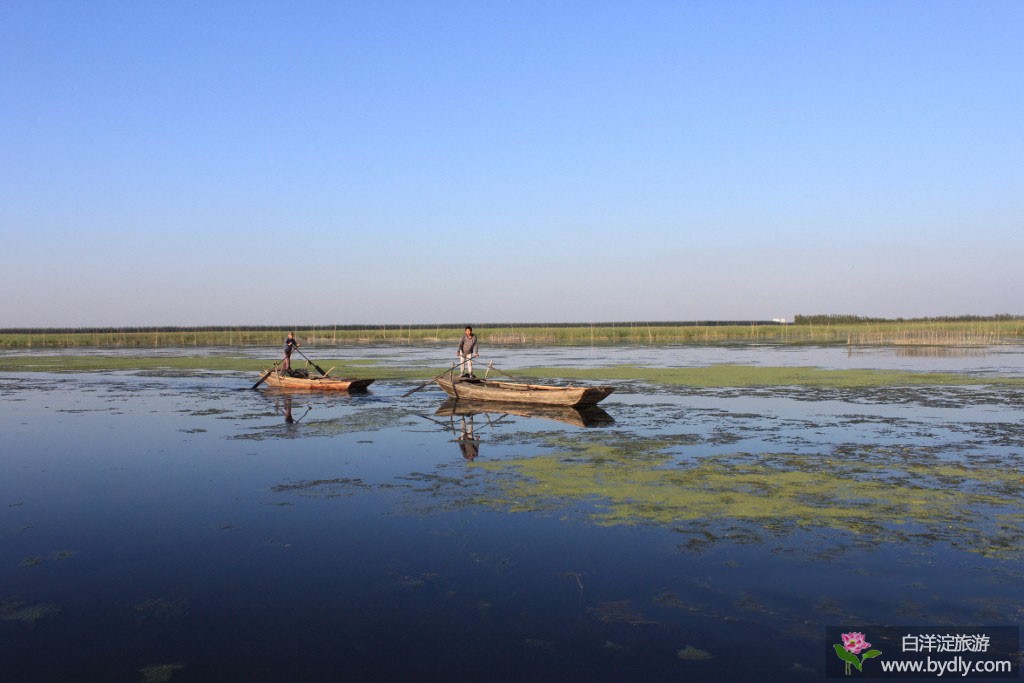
[892, 333]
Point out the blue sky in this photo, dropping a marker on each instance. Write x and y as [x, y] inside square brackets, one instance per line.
[202, 163]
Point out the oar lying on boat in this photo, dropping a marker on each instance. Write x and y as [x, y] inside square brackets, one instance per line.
[490, 366]
[429, 381]
[318, 368]
[264, 377]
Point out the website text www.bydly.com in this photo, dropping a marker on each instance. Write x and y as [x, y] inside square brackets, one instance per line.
[923, 652]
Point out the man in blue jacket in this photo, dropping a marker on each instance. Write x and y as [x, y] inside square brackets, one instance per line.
[290, 344]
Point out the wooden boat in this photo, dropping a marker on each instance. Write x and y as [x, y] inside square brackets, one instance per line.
[311, 382]
[511, 392]
[577, 416]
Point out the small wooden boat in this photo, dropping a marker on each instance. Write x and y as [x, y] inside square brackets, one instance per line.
[511, 392]
[303, 381]
[577, 416]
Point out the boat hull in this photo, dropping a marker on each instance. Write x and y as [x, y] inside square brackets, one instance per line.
[510, 392]
[280, 381]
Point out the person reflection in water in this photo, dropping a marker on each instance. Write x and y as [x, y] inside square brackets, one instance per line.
[289, 419]
[469, 444]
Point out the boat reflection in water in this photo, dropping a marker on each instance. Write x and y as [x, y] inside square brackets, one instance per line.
[584, 416]
[466, 419]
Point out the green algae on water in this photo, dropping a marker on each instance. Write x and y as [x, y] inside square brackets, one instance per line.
[322, 488]
[879, 494]
[159, 673]
[160, 610]
[693, 654]
[15, 609]
[720, 375]
[365, 420]
[619, 612]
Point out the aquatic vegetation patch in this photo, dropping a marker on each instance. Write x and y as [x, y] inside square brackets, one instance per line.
[432, 482]
[630, 378]
[932, 396]
[619, 612]
[693, 654]
[403, 582]
[371, 419]
[160, 610]
[616, 445]
[672, 600]
[15, 609]
[539, 644]
[160, 673]
[884, 493]
[207, 411]
[36, 560]
[323, 488]
[618, 648]
[1009, 434]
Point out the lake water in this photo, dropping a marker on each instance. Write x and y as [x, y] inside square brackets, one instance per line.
[173, 526]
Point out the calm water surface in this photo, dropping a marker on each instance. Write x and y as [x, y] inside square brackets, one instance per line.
[180, 527]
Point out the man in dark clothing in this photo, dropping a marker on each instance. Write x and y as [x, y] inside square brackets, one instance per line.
[467, 352]
[290, 344]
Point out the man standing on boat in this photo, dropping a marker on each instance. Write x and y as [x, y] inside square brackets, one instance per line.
[466, 352]
[290, 344]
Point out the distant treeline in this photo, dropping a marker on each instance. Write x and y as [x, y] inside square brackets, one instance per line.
[799, 319]
[357, 328]
[833, 319]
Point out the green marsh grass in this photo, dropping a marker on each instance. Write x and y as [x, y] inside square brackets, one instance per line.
[902, 333]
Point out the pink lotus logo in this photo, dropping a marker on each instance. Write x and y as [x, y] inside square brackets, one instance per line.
[853, 644]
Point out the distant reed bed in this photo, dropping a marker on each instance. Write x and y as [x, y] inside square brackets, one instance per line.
[820, 330]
